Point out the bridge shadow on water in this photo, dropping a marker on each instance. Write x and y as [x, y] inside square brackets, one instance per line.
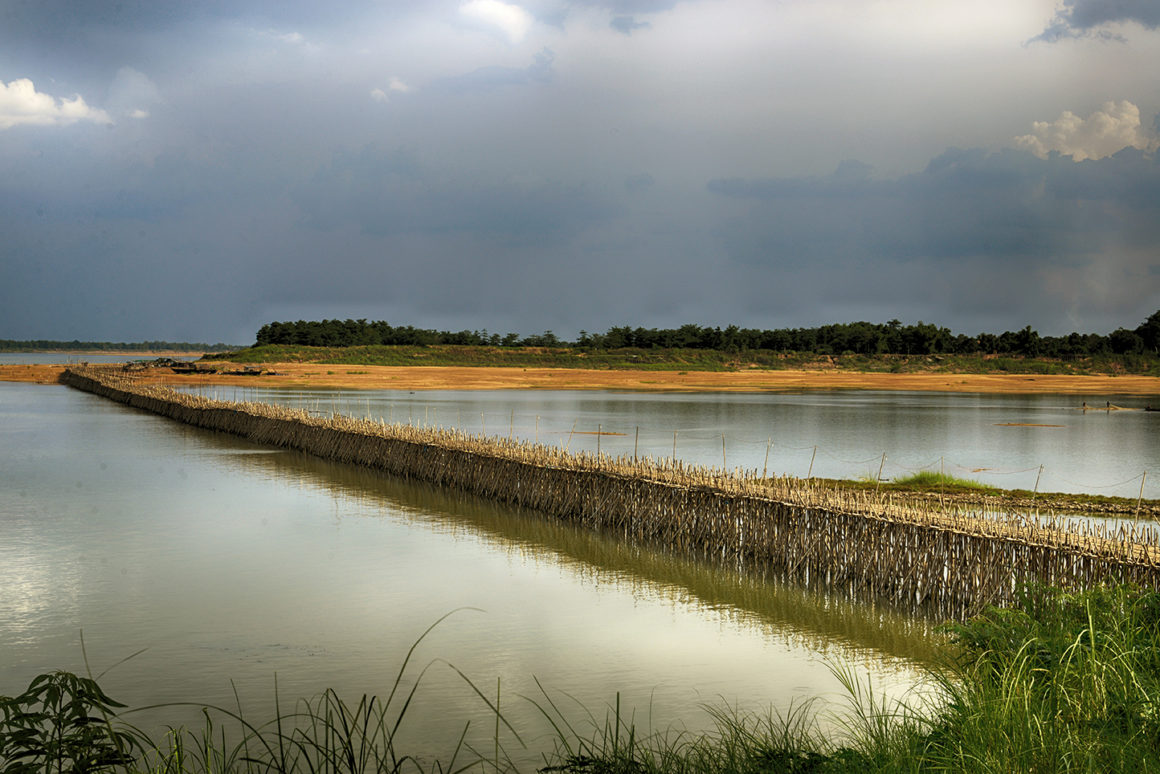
[857, 627]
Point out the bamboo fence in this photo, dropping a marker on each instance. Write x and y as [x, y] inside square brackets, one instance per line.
[948, 562]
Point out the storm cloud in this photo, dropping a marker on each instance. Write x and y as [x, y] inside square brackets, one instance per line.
[1050, 232]
[192, 171]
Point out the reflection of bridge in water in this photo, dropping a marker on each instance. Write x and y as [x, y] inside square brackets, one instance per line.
[947, 563]
[800, 616]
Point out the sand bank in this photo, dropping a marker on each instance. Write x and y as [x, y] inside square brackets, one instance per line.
[490, 378]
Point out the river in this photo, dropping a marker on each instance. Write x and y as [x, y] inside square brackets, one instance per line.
[218, 567]
[229, 566]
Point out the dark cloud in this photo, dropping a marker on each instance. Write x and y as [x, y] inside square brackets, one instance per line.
[627, 24]
[82, 44]
[47, 18]
[1022, 221]
[387, 193]
[965, 203]
[1086, 17]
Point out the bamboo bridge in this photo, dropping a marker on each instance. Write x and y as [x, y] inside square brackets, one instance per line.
[948, 562]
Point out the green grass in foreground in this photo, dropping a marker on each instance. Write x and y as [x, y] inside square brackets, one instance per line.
[1061, 683]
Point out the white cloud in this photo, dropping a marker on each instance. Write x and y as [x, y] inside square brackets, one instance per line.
[139, 113]
[21, 103]
[510, 19]
[395, 86]
[1110, 129]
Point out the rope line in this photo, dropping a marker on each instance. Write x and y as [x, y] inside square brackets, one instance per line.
[1096, 486]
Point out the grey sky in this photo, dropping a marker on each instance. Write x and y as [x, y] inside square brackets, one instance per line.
[192, 170]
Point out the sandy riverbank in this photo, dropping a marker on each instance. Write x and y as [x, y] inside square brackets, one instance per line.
[491, 378]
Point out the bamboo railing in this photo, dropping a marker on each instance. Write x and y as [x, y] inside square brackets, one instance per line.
[947, 561]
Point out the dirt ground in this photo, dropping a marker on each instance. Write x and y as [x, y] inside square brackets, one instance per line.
[490, 378]
[42, 373]
[24, 372]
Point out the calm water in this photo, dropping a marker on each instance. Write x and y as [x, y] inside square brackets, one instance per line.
[230, 565]
[997, 439]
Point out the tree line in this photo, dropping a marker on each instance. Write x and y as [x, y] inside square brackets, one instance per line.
[46, 345]
[862, 338]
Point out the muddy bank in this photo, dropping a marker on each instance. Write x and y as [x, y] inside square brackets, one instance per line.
[1021, 501]
[307, 375]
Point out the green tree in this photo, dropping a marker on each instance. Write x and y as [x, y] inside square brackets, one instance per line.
[1149, 333]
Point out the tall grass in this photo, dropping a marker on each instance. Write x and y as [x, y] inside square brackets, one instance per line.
[1060, 683]
[1065, 682]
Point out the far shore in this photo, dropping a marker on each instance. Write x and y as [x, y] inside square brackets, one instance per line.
[130, 354]
[366, 377]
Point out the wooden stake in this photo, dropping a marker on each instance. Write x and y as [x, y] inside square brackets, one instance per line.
[765, 468]
[810, 474]
[881, 465]
[941, 479]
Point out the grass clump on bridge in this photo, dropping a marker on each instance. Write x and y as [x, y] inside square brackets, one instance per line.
[929, 479]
